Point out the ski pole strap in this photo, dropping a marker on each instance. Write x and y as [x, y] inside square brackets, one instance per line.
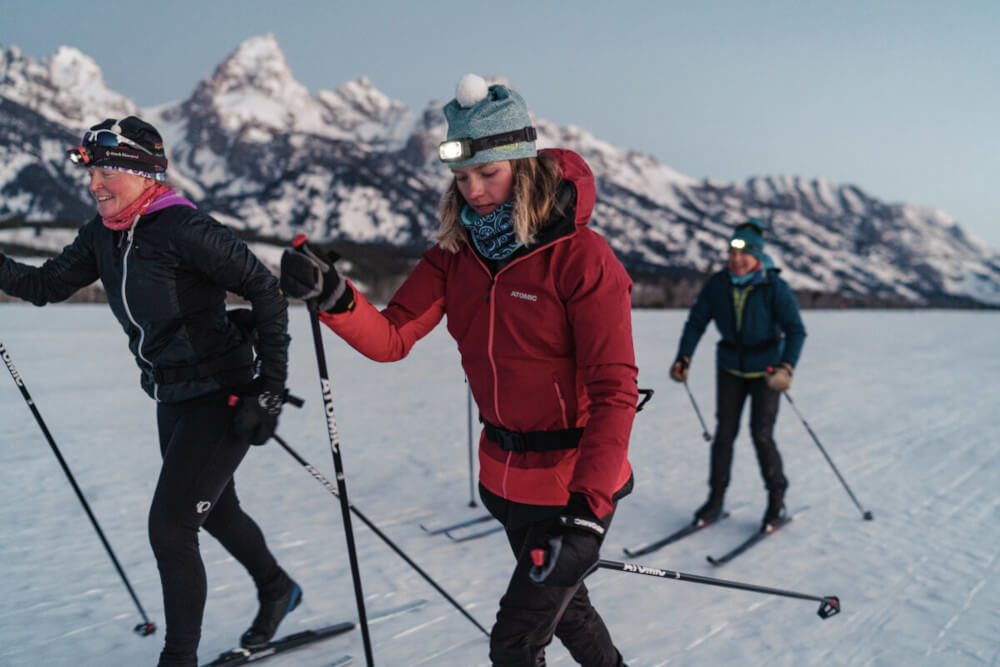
[531, 441]
[238, 358]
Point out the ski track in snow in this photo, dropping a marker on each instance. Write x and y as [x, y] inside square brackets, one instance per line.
[904, 402]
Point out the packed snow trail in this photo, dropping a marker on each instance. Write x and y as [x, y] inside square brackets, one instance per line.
[904, 401]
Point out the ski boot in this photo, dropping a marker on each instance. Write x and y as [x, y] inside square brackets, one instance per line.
[712, 508]
[271, 613]
[775, 513]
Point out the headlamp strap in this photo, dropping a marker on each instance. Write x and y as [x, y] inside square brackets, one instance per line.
[94, 153]
[503, 139]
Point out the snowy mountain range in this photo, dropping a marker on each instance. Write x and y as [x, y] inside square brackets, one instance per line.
[257, 149]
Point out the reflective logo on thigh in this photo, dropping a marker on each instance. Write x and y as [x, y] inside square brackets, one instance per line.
[202, 506]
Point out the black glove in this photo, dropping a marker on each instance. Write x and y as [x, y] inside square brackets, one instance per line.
[571, 548]
[308, 275]
[257, 411]
[679, 369]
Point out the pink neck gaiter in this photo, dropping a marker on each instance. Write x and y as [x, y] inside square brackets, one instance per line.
[125, 218]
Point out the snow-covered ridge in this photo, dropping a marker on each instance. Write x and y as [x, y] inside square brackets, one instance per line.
[67, 87]
[254, 146]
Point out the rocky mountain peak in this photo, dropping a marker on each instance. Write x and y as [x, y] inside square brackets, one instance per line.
[257, 64]
[67, 87]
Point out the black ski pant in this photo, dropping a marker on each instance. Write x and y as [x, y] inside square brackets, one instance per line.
[195, 490]
[530, 614]
[731, 393]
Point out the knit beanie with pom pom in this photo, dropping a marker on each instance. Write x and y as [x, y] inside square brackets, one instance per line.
[480, 111]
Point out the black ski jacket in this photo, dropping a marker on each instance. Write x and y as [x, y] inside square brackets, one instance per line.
[166, 280]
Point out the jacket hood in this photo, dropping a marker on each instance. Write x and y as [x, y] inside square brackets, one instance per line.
[576, 171]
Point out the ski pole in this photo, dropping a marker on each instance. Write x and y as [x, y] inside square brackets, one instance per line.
[829, 604]
[704, 429]
[866, 514]
[472, 495]
[329, 487]
[145, 628]
[300, 244]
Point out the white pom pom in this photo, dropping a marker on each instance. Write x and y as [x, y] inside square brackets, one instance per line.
[471, 89]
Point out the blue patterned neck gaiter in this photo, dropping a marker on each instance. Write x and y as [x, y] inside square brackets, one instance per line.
[752, 278]
[492, 234]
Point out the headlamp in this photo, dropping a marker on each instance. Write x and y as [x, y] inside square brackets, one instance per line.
[80, 155]
[738, 244]
[456, 150]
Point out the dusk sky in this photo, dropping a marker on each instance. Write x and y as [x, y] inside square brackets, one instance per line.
[899, 98]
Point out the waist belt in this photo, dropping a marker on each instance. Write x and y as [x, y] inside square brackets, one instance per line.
[763, 345]
[532, 441]
[240, 357]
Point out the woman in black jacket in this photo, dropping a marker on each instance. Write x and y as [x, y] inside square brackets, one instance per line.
[166, 268]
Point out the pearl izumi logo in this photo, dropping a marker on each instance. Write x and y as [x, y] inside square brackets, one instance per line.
[202, 506]
[524, 296]
[10, 366]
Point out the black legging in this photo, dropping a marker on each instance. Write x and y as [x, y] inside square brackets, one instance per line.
[731, 394]
[195, 489]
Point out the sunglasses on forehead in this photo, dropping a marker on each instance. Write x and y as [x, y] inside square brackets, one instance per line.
[108, 138]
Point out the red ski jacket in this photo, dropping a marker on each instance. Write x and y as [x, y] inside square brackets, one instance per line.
[546, 344]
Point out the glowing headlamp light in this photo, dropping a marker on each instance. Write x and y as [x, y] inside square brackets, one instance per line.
[80, 155]
[456, 150]
[738, 244]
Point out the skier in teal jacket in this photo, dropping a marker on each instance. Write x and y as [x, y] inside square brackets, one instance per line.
[758, 318]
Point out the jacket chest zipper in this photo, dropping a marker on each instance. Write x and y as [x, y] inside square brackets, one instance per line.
[492, 327]
[129, 242]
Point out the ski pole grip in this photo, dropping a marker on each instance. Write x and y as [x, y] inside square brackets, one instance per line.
[538, 557]
[301, 243]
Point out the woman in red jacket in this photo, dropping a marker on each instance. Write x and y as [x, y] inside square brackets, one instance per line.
[540, 309]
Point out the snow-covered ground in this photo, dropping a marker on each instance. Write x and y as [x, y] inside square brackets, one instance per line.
[906, 403]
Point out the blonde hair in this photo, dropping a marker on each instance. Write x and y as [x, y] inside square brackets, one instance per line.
[536, 180]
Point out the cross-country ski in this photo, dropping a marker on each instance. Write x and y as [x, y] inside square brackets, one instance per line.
[756, 538]
[690, 529]
[438, 530]
[461, 535]
[242, 656]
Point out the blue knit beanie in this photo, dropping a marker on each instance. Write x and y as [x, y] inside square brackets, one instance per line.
[480, 111]
[751, 233]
